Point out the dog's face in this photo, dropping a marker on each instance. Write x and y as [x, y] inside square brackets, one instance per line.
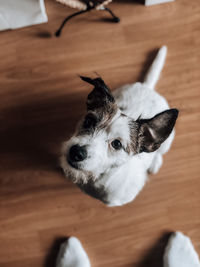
[106, 138]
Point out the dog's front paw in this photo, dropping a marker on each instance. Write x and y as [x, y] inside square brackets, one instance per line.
[156, 164]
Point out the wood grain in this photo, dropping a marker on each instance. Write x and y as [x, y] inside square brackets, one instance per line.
[41, 101]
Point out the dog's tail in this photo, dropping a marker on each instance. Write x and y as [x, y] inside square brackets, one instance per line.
[156, 68]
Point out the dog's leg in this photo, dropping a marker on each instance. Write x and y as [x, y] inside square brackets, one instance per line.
[180, 252]
[72, 254]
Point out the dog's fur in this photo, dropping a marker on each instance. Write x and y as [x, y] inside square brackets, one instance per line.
[138, 117]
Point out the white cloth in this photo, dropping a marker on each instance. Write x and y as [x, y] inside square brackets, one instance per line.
[20, 13]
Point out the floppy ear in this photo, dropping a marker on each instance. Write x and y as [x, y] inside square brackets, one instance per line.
[153, 132]
[101, 96]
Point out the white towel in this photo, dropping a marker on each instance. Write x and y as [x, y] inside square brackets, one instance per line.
[20, 13]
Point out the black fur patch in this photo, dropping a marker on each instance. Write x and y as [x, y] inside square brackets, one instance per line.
[100, 96]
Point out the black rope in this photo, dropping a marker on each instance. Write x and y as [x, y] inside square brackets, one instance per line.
[58, 32]
[115, 18]
[90, 6]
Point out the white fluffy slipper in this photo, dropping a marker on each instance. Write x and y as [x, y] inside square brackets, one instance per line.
[180, 252]
[72, 254]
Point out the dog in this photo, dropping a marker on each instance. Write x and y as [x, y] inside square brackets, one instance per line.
[179, 252]
[121, 138]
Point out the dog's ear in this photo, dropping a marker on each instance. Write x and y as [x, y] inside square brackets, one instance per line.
[101, 96]
[153, 132]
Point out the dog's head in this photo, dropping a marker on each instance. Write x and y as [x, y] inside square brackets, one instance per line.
[106, 138]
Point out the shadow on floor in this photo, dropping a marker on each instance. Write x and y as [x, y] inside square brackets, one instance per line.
[51, 257]
[154, 256]
[31, 133]
[149, 59]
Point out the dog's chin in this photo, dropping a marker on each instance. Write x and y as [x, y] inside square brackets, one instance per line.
[75, 173]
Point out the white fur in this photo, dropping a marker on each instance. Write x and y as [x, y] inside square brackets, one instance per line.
[155, 69]
[122, 175]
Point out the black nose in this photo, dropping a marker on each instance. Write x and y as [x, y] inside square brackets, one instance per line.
[77, 153]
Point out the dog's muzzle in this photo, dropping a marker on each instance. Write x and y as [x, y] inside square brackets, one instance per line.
[76, 154]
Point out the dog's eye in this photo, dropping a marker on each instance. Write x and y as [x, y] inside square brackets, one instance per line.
[116, 144]
[90, 121]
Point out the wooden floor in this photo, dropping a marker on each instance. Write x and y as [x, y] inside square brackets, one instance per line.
[42, 98]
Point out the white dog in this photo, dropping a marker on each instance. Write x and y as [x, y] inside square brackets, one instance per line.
[122, 137]
[178, 253]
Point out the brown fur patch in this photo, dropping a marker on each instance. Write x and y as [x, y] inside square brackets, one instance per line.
[134, 130]
[103, 117]
[107, 115]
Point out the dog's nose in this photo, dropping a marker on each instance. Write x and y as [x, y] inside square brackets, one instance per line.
[77, 153]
